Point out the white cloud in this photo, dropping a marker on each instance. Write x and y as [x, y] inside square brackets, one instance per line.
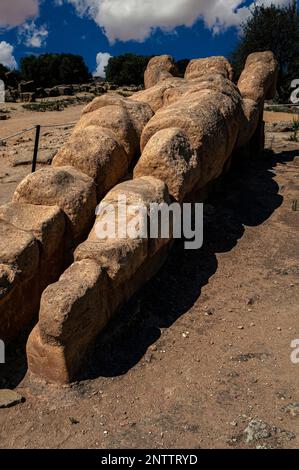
[6, 55]
[102, 60]
[15, 12]
[126, 20]
[32, 35]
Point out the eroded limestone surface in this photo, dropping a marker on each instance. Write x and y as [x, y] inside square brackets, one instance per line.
[178, 135]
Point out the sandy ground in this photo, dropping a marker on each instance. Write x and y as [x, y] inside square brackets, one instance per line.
[16, 155]
[200, 357]
[22, 119]
[278, 117]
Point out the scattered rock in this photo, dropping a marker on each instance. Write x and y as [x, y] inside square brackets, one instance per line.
[249, 356]
[210, 312]
[23, 159]
[263, 447]
[279, 126]
[9, 398]
[46, 158]
[250, 301]
[292, 409]
[148, 357]
[73, 420]
[257, 430]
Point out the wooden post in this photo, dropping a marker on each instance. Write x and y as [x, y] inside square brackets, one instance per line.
[35, 152]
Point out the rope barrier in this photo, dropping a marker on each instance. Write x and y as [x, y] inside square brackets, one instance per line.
[281, 106]
[17, 133]
[68, 124]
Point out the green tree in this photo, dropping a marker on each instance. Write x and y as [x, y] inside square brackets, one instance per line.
[48, 70]
[126, 69]
[3, 71]
[274, 28]
[10, 77]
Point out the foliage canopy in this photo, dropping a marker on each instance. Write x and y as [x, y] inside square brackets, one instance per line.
[274, 28]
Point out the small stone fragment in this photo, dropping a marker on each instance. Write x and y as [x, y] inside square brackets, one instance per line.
[9, 398]
[292, 409]
[257, 430]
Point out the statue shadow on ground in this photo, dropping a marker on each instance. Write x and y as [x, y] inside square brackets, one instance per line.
[247, 196]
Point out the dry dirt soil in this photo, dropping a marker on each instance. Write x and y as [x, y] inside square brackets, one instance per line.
[16, 154]
[200, 357]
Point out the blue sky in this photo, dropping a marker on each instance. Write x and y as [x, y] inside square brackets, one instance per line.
[97, 28]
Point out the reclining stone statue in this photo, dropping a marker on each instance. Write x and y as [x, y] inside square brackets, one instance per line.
[166, 143]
